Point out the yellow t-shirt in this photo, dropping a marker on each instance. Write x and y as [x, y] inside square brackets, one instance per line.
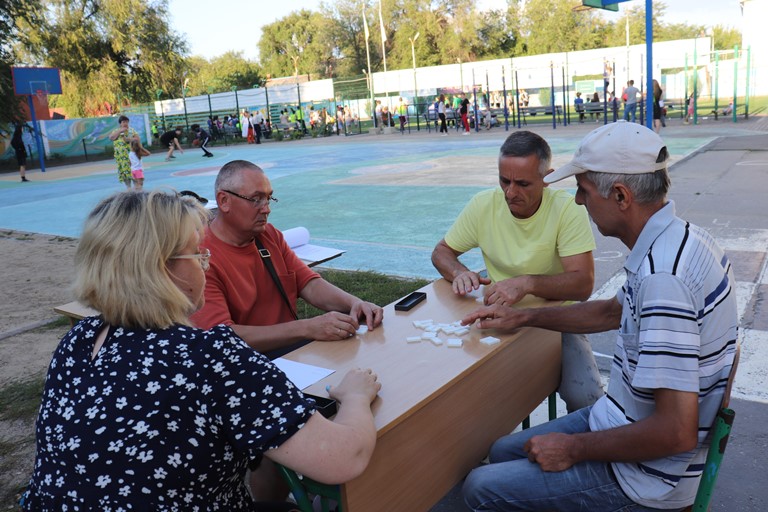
[512, 247]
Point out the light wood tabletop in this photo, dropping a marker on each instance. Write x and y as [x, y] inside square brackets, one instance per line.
[439, 408]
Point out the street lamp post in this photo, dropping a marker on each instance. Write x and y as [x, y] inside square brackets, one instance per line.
[237, 103]
[266, 95]
[184, 99]
[627, 35]
[295, 59]
[300, 114]
[415, 89]
[159, 93]
[369, 83]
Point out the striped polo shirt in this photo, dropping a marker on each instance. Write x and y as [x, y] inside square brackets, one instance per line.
[678, 331]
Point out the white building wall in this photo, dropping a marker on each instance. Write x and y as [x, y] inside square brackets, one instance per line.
[537, 71]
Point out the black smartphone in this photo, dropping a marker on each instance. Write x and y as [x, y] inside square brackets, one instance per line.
[325, 406]
[409, 301]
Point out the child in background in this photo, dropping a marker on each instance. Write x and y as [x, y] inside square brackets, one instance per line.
[137, 170]
[203, 137]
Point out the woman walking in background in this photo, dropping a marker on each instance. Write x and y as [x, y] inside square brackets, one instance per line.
[441, 115]
[464, 111]
[657, 92]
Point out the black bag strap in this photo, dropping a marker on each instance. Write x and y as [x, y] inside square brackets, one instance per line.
[267, 259]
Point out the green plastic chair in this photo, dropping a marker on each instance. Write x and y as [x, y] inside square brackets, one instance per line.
[552, 411]
[721, 431]
[304, 489]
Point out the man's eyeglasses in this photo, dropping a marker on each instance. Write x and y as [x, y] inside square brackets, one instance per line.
[260, 201]
[204, 257]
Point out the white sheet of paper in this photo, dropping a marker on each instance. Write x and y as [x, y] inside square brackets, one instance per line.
[302, 375]
[298, 240]
[295, 237]
[309, 252]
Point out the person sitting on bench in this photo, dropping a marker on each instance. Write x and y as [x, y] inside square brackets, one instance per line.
[578, 103]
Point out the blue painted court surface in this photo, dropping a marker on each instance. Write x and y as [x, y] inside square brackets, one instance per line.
[386, 199]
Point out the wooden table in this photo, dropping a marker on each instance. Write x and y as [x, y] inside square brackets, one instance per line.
[439, 408]
[75, 311]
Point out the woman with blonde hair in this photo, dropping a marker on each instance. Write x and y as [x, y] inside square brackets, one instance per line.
[142, 411]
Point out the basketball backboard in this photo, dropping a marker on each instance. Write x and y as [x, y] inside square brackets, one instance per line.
[36, 81]
[601, 4]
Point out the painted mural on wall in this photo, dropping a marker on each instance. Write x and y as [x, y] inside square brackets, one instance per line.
[74, 137]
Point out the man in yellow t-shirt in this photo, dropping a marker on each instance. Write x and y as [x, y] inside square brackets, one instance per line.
[534, 240]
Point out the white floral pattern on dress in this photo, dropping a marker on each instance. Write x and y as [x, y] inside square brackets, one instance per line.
[158, 420]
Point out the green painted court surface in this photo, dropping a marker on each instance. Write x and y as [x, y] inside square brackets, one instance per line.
[386, 200]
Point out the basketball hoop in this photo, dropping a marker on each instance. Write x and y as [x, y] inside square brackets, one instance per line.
[581, 8]
[42, 95]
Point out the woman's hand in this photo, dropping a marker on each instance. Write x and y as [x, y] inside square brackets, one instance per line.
[356, 383]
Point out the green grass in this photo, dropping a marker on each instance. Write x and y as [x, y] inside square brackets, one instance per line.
[20, 400]
[369, 286]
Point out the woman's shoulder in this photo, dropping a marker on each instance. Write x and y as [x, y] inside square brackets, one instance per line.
[208, 344]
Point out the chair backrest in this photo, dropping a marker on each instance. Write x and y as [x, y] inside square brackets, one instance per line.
[731, 377]
[721, 430]
[305, 489]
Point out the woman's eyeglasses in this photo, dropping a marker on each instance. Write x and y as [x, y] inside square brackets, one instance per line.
[204, 257]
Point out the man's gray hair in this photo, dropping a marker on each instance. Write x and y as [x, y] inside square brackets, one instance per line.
[647, 188]
[525, 143]
[229, 176]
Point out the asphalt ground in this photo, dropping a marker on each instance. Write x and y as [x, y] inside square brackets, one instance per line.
[387, 199]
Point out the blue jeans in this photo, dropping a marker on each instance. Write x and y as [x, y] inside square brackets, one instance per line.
[630, 108]
[511, 482]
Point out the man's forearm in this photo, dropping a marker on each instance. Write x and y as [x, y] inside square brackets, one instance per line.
[271, 337]
[446, 261]
[583, 318]
[671, 429]
[323, 295]
[564, 286]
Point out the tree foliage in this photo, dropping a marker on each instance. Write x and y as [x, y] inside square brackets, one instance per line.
[726, 37]
[10, 11]
[553, 26]
[299, 42]
[111, 52]
[222, 73]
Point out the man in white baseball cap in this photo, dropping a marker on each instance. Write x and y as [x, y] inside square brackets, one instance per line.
[643, 444]
[619, 148]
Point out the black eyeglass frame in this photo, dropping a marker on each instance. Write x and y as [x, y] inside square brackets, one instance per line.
[257, 203]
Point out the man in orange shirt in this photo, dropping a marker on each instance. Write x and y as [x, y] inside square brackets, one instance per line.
[241, 293]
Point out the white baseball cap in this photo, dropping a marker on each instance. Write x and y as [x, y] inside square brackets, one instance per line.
[618, 148]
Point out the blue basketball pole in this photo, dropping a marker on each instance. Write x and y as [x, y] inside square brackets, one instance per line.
[38, 136]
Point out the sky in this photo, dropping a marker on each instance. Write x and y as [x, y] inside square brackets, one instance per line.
[212, 30]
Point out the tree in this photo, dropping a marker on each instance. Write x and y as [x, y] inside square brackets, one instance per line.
[110, 52]
[10, 10]
[299, 41]
[553, 26]
[222, 73]
[726, 37]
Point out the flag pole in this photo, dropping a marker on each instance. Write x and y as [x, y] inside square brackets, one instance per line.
[370, 71]
[384, 55]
